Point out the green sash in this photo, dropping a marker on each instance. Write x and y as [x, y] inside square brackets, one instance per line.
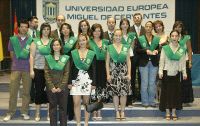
[183, 40]
[174, 56]
[131, 37]
[145, 45]
[82, 65]
[69, 44]
[57, 65]
[121, 57]
[21, 53]
[100, 52]
[43, 49]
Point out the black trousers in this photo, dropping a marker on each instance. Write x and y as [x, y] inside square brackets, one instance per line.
[60, 100]
[135, 79]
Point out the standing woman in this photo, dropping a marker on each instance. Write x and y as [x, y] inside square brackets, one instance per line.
[172, 63]
[159, 30]
[129, 40]
[68, 42]
[185, 41]
[118, 70]
[147, 50]
[67, 38]
[56, 75]
[39, 48]
[82, 76]
[99, 46]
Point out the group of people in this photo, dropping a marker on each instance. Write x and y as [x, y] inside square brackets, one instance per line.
[63, 70]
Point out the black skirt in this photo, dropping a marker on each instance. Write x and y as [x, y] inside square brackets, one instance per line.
[170, 92]
[38, 93]
[101, 79]
[186, 85]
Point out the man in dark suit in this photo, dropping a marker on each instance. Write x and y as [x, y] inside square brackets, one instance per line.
[33, 25]
[111, 22]
[60, 19]
[135, 75]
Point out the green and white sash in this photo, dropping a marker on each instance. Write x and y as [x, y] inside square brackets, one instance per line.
[69, 44]
[130, 39]
[118, 57]
[85, 64]
[174, 56]
[184, 40]
[56, 65]
[145, 45]
[21, 53]
[43, 49]
[100, 52]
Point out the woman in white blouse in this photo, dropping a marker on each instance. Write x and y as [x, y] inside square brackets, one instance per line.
[171, 65]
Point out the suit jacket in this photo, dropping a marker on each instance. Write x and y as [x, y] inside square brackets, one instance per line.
[106, 36]
[144, 58]
[142, 30]
[54, 34]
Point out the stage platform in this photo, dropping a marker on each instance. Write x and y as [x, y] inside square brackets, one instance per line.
[135, 115]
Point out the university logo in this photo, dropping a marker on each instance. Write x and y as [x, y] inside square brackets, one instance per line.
[50, 10]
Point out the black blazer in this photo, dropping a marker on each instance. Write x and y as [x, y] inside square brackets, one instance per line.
[91, 71]
[144, 58]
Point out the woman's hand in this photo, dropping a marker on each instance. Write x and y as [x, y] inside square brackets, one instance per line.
[109, 78]
[54, 90]
[93, 87]
[69, 86]
[128, 77]
[160, 76]
[32, 74]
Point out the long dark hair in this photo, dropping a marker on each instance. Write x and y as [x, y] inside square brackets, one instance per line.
[71, 33]
[79, 27]
[94, 26]
[126, 20]
[180, 23]
[60, 42]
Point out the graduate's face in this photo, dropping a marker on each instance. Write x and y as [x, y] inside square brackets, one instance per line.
[158, 28]
[174, 36]
[56, 46]
[137, 19]
[148, 27]
[46, 31]
[82, 41]
[84, 27]
[97, 32]
[65, 30]
[23, 29]
[124, 25]
[178, 28]
[111, 24]
[117, 36]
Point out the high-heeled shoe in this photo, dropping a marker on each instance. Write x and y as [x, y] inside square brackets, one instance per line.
[78, 124]
[123, 116]
[117, 116]
[37, 117]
